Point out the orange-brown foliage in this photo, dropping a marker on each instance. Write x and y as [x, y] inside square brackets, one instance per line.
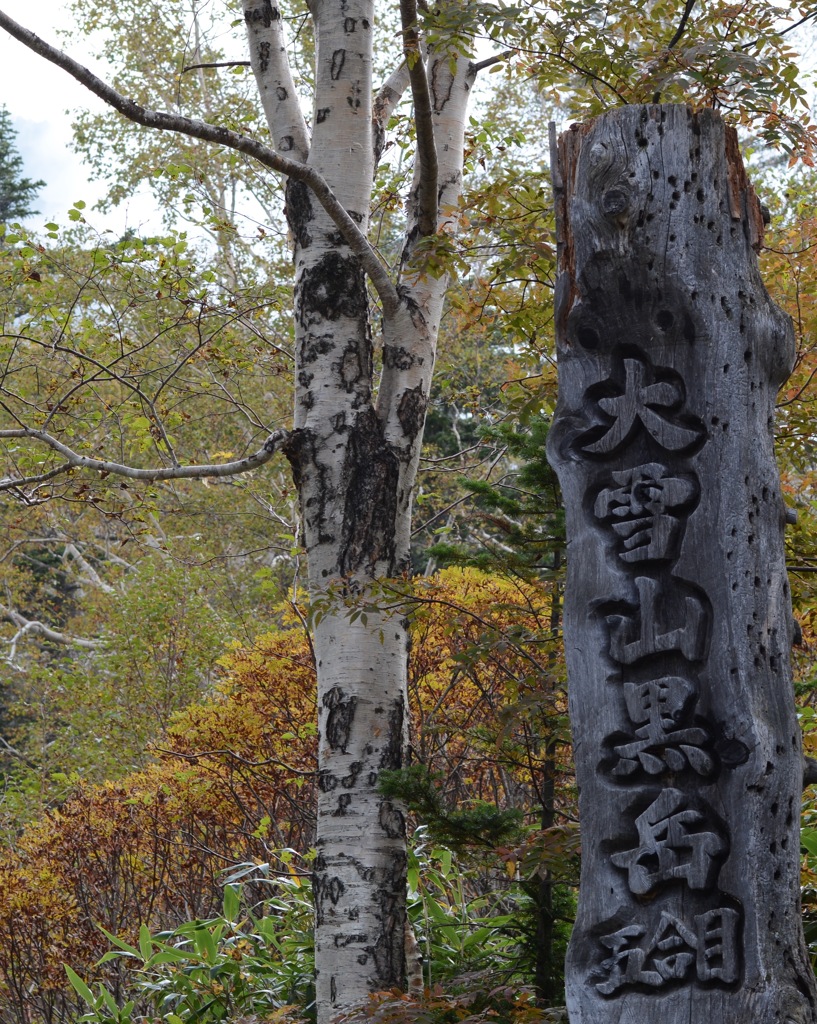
[233, 782]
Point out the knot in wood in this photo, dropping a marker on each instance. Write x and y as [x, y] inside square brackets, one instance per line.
[615, 201]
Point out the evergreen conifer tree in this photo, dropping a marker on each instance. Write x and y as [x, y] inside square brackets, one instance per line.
[16, 192]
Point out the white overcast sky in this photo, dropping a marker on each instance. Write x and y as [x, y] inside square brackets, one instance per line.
[40, 98]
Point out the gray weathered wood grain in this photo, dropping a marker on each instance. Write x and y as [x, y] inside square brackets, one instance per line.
[677, 615]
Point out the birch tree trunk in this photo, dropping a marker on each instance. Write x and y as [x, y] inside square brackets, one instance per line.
[677, 614]
[354, 457]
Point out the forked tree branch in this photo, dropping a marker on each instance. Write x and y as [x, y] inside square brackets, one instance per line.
[73, 460]
[197, 129]
[423, 119]
[25, 625]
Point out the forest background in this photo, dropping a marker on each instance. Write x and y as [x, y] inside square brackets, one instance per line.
[157, 713]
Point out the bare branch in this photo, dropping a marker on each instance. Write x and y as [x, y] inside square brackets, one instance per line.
[90, 576]
[9, 749]
[489, 62]
[217, 64]
[423, 119]
[682, 24]
[73, 460]
[32, 626]
[676, 39]
[276, 87]
[18, 485]
[352, 234]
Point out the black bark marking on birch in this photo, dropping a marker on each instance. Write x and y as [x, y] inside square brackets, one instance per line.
[349, 25]
[314, 346]
[327, 781]
[343, 802]
[281, 93]
[298, 212]
[398, 357]
[348, 940]
[264, 50]
[325, 889]
[355, 768]
[285, 143]
[676, 614]
[263, 12]
[341, 716]
[372, 471]
[388, 950]
[355, 364]
[394, 752]
[300, 449]
[335, 287]
[338, 60]
[412, 411]
[392, 820]
[322, 114]
[441, 93]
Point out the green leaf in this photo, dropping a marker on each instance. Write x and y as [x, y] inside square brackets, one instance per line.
[80, 987]
[232, 902]
[808, 840]
[109, 1001]
[118, 942]
[145, 942]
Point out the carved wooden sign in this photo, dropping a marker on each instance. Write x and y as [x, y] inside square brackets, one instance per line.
[677, 615]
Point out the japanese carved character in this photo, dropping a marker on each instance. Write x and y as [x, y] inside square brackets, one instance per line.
[663, 742]
[676, 843]
[647, 403]
[643, 510]
[655, 626]
[671, 951]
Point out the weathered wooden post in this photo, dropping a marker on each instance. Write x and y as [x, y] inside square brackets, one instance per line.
[677, 616]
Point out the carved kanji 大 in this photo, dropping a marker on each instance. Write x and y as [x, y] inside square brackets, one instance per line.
[646, 402]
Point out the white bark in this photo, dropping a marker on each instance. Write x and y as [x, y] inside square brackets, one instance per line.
[276, 88]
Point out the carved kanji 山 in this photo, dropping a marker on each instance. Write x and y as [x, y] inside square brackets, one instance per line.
[676, 843]
[649, 403]
[652, 629]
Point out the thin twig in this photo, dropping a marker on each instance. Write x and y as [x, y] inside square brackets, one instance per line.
[218, 64]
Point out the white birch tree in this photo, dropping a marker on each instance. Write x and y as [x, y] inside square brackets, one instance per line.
[354, 444]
